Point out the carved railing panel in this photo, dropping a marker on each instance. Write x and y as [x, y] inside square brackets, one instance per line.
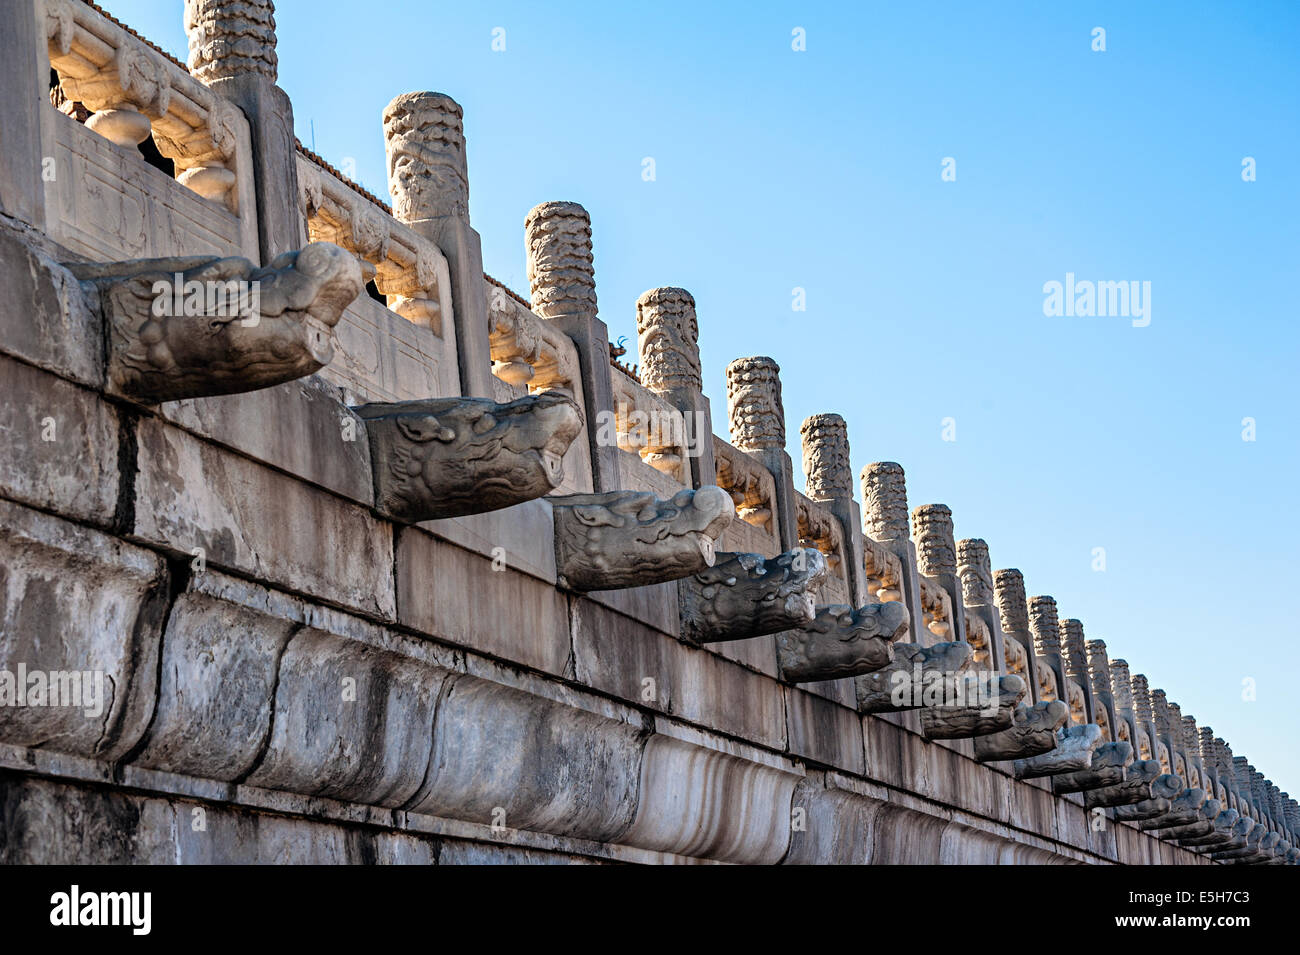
[112, 200]
[753, 491]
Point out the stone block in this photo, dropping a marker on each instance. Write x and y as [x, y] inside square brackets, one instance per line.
[617, 655]
[301, 427]
[82, 613]
[508, 758]
[61, 445]
[218, 675]
[44, 316]
[704, 803]
[350, 722]
[455, 595]
[824, 732]
[524, 534]
[256, 521]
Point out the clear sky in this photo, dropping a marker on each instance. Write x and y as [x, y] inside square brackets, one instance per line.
[820, 169]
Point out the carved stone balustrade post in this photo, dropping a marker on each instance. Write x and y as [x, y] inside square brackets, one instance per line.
[232, 52]
[918, 676]
[1196, 775]
[1127, 726]
[1074, 658]
[428, 180]
[828, 477]
[619, 539]
[200, 326]
[1046, 629]
[841, 642]
[1098, 679]
[757, 423]
[936, 558]
[748, 595]
[667, 341]
[1013, 614]
[447, 457]
[979, 600]
[1169, 727]
[562, 287]
[1146, 719]
[884, 502]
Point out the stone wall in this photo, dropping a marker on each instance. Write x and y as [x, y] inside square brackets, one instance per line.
[291, 673]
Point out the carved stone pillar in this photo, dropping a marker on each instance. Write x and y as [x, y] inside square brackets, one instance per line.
[667, 341]
[1146, 719]
[1122, 691]
[977, 597]
[24, 77]
[757, 421]
[884, 501]
[1169, 727]
[936, 558]
[1075, 659]
[232, 51]
[1192, 755]
[1046, 629]
[828, 477]
[428, 180]
[1099, 687]
[562, 286]
[1013, 613]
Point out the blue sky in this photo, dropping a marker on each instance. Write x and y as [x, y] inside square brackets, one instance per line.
[820, 169]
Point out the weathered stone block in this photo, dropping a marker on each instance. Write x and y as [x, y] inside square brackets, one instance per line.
[250, 519]
[44, 316]
[700, 802]
[524, 534]
[84, 611]
[301, 427]
[60, 445]
[350, 722]
[509, 758]
[218, 675]
[455, 595]
[824, 732]
[618, 655]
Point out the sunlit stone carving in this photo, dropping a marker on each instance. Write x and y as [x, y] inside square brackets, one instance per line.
[1074, 750]
[200, 326]
[1183, 810]
[1109, 761]
[667, 339]
[230, 38]
[826, 467]
[989, 707]
[619, 539]
[918, 676]
[1032, 733]
[1202, 825]
[1143, 781]
[842, 642]
[754, 403]
[561, 273]
[446, 457]
[425, 147]
[748, 595]
[884, 492]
